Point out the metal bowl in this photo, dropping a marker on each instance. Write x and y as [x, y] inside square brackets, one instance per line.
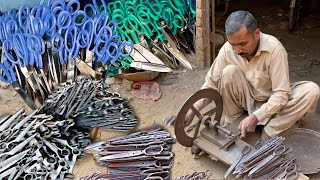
[306, 146]
[139, 76]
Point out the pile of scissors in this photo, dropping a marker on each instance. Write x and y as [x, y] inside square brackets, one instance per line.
[37, 146]
[90, 105]
[140, 155]
[267, 160]
[40, 45]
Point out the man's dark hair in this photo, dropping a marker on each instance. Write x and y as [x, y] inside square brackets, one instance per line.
[239, 19]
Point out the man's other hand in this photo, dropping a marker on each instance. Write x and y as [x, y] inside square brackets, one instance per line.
[248, 125]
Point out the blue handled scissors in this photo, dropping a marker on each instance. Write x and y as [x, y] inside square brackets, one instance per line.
[108, 47]
[100, 8]
[70, 6]
[64, 20]
[36, 46]
[17, 49]
[57, 45]
[90, 11]
[23, 20]
[3, 30]
[17, 53]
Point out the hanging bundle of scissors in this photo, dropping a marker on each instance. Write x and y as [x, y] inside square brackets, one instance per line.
[166, 25]
[40, 44]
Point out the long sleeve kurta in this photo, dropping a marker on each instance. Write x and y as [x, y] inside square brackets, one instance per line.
[267, 73]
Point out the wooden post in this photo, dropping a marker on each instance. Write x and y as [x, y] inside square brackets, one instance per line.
[213, 32]
[202, 44]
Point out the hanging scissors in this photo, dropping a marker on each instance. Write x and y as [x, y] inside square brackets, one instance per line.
[100, 8]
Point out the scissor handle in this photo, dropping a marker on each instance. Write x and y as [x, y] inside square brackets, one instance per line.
[70, 38]
[292, 167]
[7, 75]
[291, 175]
[79, 18]
[100, 23]
[64, 20]
[97, 6]
[71, 4]
[11, 27]
[23, 14]
[88, 26]
[49, 24]
[153, 150]
[279, 150]
[246, 150]
[89, 10]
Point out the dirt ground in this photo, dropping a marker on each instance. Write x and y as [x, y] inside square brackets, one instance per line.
[304, 61]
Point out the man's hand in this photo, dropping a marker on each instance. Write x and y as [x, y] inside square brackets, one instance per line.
[189, 116]
[171, 120]
[248, 125]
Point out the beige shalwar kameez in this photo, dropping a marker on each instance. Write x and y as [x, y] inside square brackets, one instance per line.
[261, 86]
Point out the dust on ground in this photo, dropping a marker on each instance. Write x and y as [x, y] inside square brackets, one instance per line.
[304, 61]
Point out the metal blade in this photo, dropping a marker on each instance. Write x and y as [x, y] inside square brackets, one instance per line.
[150, 66]
[147, 54]
[136, 55]
[24, 95]
[179, 56]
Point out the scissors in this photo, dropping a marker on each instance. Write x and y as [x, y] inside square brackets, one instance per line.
[290, 172]
[9, 76]
[244, 152]
[149, 151]
[18, 50]
[100, 9]
[7, 29]
[278, 151]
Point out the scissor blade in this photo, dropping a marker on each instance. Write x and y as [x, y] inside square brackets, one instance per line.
[70, 70]
[136, 55]
[147, 54]
[150, 66]
[179, 56]
[231, 168]
[52, 67]
[170, 37]
[163, 57]
[121, 155]
[24, 95]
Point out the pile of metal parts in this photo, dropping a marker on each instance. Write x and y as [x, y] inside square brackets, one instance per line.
[90, 105]
[141, 155]
[38, 147]
[267, 160]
